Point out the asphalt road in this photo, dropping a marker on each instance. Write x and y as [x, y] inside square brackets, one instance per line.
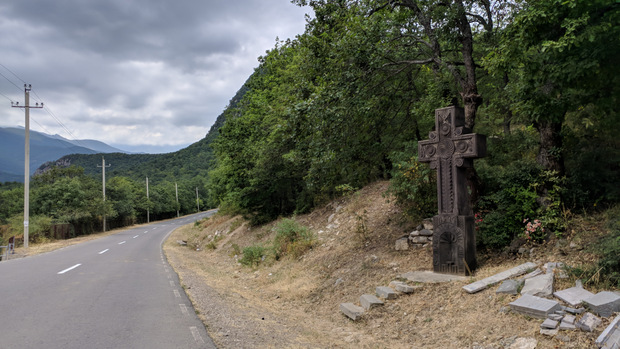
[117, 291]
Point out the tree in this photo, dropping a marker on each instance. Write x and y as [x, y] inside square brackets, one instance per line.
[562, 58]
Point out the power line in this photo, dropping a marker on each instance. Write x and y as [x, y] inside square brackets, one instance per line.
[12, 83]
[10, 71]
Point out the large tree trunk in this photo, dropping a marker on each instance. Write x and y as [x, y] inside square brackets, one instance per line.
[550, 151]
[549, 155]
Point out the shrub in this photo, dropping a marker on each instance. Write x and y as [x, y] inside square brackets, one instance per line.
[414, 186]
[252, 255]
[292, 239]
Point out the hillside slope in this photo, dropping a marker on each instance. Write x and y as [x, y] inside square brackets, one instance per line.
[295, 302]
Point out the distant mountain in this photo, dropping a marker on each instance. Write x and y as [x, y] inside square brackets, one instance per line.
[191, 163]
[43, 148]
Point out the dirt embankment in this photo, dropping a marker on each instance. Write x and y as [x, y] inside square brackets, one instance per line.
[294, 303]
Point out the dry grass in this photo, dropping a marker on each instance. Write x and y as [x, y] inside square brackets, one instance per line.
[355, 254]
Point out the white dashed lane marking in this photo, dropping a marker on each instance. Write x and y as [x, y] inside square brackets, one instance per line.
[69, 269]
[104, 251]
[122, 242]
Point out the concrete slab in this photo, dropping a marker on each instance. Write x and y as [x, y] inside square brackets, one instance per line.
[549, 324]
[534, 306]
[603, 303]
[351, 310]
[610, 337]
[509, 287]
[588, 322]
[573, 296]
[540, 286]
[491, 280]
[386, 292]
[369, 301]
[430, 277]
[402, 287]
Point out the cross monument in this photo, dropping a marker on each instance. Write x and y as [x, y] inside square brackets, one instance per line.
[451, 150]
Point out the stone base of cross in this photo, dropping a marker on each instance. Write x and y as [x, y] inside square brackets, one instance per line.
[450, 149]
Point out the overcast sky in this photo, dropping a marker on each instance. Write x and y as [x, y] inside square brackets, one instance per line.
[134, 72]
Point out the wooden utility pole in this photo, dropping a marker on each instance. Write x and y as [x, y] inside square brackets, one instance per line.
[148, 212]
[26, 107]
[197, 201]
[103, 166]
[176, 190]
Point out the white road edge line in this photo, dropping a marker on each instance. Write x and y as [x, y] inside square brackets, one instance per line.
[176, 294]
[104, 251]
[69, 269]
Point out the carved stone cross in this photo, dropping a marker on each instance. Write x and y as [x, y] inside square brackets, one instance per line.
[450, 150]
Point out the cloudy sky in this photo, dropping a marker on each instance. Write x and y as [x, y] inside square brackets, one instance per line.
[134, 72]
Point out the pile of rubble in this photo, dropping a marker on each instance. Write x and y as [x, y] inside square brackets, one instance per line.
[538, 300]
[421, 237]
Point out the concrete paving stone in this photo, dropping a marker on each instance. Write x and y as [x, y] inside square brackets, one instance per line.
[430, 277]
[564, 326]
[509, 287]
[588, 322]
[540, 286]
[506, 274]
[556, 317]
[569, 319]
[386, 292]
[549, 323]
[603, 303]
[534, 306]
[369, 301]
[610, 337]
[351, 310]
[573, 310]
[573, 296]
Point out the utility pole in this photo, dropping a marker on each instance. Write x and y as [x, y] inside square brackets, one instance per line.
[103, 166]
[26, 108]
[148, 213]
[176, 190]
[197, 201]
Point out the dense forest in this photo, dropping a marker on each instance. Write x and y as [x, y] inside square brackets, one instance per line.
[345, 103]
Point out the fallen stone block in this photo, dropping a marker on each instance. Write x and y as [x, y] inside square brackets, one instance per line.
[564, 326]
[509, 287]
[532, 274]
[574, 295]
[402, 244]
[610, 337]
[603, 303]
[556, 317]
[570, 319]
[573, 310]
[539, 286]
[534, 306]
[430, 277]
[386, 292]
[351, 310]
[491, 280]
[524, 343]
[588, 322]
[549, 332]
[402, 287]
[369, 301]
[549, 324]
